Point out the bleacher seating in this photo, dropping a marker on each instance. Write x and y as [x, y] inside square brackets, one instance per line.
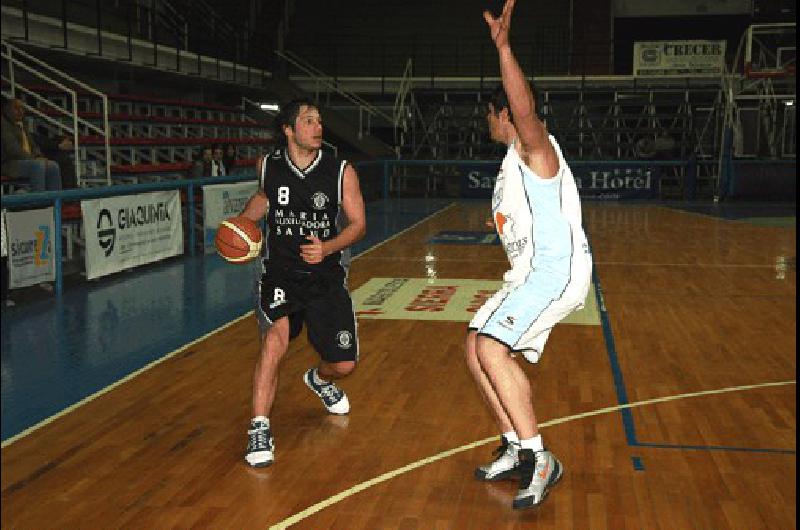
[154, 138]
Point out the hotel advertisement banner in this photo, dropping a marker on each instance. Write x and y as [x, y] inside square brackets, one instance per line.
[594, 180]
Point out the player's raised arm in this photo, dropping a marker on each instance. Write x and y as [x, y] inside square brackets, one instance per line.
[535, 148]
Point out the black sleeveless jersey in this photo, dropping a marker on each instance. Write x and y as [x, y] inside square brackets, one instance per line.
[301, 202]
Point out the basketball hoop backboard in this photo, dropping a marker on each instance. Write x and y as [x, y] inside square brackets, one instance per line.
[770, 50]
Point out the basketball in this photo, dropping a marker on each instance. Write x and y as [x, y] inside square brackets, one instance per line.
[238, 240]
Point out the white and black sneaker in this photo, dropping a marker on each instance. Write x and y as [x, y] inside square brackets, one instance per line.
[504, 466]
[539, 472]
[260, 445]
[331, 395]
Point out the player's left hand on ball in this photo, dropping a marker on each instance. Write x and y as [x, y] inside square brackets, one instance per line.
[313, 251]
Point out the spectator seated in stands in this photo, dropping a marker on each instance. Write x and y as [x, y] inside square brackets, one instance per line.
[202, 166]
[229, 158]
[22, 158]
[218, 166]
[61, 151]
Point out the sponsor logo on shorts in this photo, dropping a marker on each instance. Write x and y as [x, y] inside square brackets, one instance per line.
[508, 322]
[344, 339]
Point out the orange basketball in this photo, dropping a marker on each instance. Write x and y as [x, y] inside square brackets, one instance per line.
[238, 240]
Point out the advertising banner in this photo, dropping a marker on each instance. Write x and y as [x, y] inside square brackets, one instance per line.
[30, 247]
[605, 181]
[595, 181]
[221, 201]
[684, 58]
[477, 180]
[131, 230]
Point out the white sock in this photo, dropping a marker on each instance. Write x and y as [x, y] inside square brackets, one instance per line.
[511, 436]
[317, 379]
[534, 443]
[262, 419]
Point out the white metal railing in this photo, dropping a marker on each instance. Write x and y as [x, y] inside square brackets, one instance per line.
[18, 58]
[765, 53]
[366, 111]
[402, 108]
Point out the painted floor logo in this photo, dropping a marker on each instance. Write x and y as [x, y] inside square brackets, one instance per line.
[442, 299]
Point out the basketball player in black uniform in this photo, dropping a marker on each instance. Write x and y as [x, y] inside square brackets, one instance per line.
[314, 211]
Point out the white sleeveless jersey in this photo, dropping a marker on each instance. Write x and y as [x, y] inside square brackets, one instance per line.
[538, 219]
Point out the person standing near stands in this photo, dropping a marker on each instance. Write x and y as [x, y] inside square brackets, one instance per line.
[537, 213]
[314, 211]
[202, 166]
[229, 158]
[22, 158]
[218, 168]
[60, 150]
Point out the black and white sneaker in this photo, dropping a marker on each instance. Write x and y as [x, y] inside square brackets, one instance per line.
[539, 472]
[260, 445]
[504, 466]
[331, 395]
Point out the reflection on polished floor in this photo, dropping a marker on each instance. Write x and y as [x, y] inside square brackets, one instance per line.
[677, 411]
[56, 352]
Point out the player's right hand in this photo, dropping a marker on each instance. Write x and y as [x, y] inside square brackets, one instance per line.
[500, 27]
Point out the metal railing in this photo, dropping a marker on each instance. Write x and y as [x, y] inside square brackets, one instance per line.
[403, 102]
[57, 198]
[366, 110]
[17, 58]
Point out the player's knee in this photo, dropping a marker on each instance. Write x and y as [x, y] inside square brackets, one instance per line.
[343, 368]
[276, 342]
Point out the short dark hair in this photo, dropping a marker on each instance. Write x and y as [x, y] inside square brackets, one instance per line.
[7, 101]
[499, 100]
[288, 114]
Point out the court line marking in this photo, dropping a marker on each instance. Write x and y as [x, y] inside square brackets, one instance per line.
[620, 263]
[131, 375]
[712, 216]
[423, 259]
[286, 523]
[117, 383]
[330, 501]
[407, 229]
[692, 265]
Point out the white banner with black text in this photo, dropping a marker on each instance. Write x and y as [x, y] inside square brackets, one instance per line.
[131, 230]
[221, 201]
[680, 57]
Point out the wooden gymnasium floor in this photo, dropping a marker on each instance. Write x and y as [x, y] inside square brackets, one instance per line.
[690, 305]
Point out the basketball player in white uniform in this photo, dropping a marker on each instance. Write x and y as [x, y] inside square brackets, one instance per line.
[537, 213]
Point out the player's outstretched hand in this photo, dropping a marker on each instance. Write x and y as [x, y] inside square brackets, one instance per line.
[499, 27]
[312, 252]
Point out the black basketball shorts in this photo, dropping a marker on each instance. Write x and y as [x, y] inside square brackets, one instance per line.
[321, 301]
